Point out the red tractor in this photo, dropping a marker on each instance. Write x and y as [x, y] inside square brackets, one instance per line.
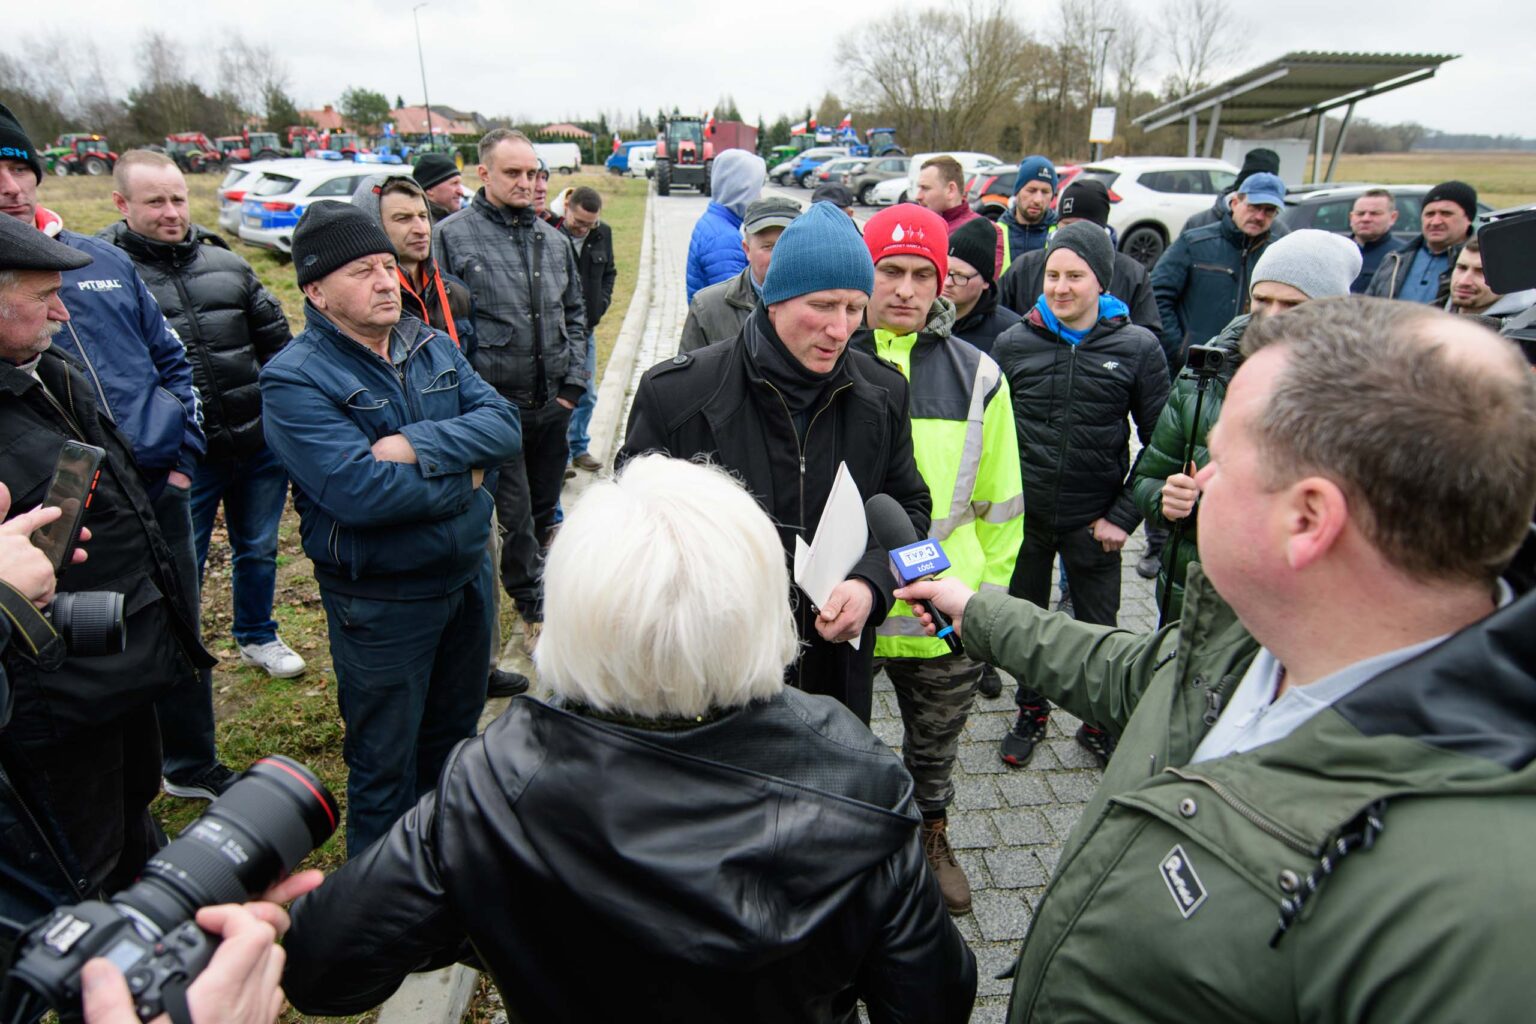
[685, 155]
[194, 152]
[302, 139]
[80, 153]
[250, 145]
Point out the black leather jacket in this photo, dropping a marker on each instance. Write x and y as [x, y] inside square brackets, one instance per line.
[229, 323]
[761, 866]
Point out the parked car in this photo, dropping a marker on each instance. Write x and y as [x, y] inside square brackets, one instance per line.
[275, 201]
[240, 177]
[1152, 196]
[642, 161]
[970, 163]
[1327, 207]
[618, 163]
[804, 164]
[862, 178]
[892, 191]
[834, 172]
[559, 157]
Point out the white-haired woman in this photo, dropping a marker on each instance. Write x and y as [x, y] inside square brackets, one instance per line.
[676, 836]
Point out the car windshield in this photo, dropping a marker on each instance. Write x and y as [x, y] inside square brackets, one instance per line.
[271, 185]
[233, 176]
[685, 131]
[1100, 174]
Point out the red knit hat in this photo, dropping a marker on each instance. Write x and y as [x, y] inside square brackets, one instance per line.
[909, 230]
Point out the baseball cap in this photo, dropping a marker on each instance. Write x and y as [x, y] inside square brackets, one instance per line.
[769, 212]
[1263, 189]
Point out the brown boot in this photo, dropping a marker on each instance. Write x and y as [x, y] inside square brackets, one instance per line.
[531, 631]
[953, 884]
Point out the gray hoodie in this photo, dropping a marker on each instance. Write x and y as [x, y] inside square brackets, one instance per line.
[736, 180]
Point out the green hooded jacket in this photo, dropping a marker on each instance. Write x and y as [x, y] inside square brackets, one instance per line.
[1395, 827]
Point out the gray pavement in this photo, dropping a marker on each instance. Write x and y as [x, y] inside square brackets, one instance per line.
[1007, 824]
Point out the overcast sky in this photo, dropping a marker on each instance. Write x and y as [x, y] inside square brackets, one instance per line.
[578, 58]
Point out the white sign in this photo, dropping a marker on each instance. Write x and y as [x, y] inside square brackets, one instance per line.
[1102, 126]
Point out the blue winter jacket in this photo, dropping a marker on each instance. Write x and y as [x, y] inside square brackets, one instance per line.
[1023, 238]
[1202, 280]
[714, 251]
[133, 357]
[387, 529]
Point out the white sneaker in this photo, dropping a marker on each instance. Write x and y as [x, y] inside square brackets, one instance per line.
[275, 658]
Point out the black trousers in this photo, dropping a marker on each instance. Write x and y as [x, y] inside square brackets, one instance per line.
[527, 491]
[1094, 574]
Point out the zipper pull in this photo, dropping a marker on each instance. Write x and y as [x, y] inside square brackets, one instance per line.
[802, 466]
[1212, 705]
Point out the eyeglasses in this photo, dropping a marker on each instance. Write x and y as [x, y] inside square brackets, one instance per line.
[960, 279]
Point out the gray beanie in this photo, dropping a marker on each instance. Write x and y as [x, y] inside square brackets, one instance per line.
[1319, 264]
[1091, 242]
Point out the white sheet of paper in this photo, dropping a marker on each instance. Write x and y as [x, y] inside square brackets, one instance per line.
[841, 538]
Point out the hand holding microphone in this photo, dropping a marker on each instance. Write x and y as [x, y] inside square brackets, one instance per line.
[913, 560]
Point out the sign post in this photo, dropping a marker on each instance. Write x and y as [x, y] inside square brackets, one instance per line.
[1101, 129]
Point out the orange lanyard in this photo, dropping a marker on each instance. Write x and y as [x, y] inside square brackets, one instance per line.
[442, 297]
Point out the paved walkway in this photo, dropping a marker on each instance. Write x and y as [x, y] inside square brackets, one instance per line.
[1008, 825]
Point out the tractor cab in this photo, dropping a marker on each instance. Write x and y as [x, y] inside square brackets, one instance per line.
[684, 156]
[882, 142]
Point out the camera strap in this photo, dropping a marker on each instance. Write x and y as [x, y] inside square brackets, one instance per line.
[173, 997]
[31, 629]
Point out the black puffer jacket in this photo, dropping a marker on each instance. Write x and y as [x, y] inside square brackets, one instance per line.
[1069, 405]
[716, 402]
[229, 323]
[762, 866]
[988, 319]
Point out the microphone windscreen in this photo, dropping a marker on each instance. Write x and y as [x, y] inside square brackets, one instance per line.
[888, 522]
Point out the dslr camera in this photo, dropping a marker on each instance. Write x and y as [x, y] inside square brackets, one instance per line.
[249, 838]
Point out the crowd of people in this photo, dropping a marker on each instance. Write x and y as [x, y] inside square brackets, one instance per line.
[1337, 493]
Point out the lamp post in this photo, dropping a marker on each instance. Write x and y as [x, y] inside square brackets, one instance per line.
[420, 60]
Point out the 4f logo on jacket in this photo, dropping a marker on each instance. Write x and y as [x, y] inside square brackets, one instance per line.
[1184, 885]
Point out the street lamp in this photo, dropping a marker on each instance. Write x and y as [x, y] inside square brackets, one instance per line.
[1098, 92]
[420, 60]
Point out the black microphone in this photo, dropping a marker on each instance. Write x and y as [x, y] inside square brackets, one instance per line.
[912, 557]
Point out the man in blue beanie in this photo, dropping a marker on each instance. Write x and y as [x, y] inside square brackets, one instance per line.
[1030, 219]
[782, 408]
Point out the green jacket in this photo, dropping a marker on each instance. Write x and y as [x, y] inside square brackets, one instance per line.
[967, 450]
[1164, 455]
[1168, 894]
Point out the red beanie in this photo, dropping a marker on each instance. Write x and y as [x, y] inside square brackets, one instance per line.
[909, 230]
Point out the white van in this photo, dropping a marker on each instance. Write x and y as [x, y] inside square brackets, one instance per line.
[970, 163]
[559, 157]
[642, 162]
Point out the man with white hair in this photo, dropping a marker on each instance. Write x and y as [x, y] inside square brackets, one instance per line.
[723, 846]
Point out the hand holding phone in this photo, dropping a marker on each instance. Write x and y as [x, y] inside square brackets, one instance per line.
[74, 485]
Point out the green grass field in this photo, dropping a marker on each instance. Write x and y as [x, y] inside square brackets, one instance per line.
[298, 717]
[1501, 178]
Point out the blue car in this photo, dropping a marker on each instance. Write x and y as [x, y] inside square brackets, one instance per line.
[618, 163]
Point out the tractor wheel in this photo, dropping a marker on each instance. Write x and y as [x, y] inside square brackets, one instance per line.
[663, 179]
[706, 184]
[95, 166]
[866, 195]
[61, 168]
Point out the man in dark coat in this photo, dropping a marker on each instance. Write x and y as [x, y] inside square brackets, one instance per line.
[580, 220]
[1420, 271]
[1255, 161]
[81, 753]
[971, 285]
[717, 313]
[783, 408]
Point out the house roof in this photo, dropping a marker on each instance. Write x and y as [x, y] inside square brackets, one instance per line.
[413, 120]
[569, 131]
[327, 118]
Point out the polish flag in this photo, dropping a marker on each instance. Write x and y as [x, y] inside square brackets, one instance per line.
[799, 129]
[617, 142]
[813, 124]
[847, 121]
[709, 121]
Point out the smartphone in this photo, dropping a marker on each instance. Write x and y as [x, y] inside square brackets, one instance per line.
[73, 486]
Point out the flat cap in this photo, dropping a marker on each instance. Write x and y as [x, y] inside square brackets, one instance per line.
[23, 247]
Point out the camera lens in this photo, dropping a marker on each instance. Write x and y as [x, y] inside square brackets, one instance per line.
[254, 834]
[90, 622]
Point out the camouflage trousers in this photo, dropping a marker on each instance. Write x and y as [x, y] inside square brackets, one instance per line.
[934, 695]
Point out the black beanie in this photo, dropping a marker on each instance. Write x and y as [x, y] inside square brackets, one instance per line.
[14, 143]
[1458, 192]
[331, 235]
[1085, 200]
[1089, 241]
[1257, 161]
[975, 241]
[434, 169]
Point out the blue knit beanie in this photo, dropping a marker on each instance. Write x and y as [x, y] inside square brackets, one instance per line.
[1035, 168]
[820, 251]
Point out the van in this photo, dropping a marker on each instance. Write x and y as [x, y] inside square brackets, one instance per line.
[559, 157]
[642, 161]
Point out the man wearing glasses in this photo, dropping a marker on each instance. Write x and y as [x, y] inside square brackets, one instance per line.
[971, 286]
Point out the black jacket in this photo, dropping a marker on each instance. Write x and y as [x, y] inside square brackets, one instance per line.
[228, 322]
[715, 402]
[1069, 405]
[595, 267]
[762, 866]
[981, 326]
[1024, 282]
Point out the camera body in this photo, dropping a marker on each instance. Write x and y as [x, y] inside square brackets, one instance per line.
[247, 839]
[1205, 361]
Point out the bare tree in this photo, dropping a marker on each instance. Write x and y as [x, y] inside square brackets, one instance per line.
[1198, 37]
[249, 73]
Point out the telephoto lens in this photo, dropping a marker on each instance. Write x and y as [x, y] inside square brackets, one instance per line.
[90, 622]
[247, 839]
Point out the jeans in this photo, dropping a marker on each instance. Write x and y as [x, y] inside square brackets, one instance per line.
[186, 711]
[527, 493]
[576, 434]
[410, 682]
[254, 491]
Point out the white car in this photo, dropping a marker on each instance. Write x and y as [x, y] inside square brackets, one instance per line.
[642, 161]
[231, 190]
[1152, 196]
[969, 162]
[275, 201]
[891, 192]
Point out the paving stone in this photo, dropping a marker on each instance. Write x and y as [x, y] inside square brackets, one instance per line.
[1062, 817]
[972, 831]
[1001, 914]
[992, 959]
[974, 864]
[1049, 857]
[888, 730]
[992, 1010]
[980, 759]
[1072, 787]
[1014, 869]
[1072, 754]
[1022, 787]
[1021, 826]
[970, 931]
[990, 726]
[974, 794]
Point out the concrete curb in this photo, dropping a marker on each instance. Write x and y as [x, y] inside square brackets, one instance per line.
[607, 415]
[438, 997]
